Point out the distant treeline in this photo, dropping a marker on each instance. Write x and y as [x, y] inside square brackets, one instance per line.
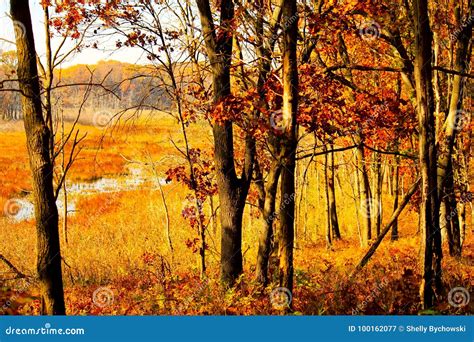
[105, 85]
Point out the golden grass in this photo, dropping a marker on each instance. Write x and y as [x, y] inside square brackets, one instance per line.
[117, 240]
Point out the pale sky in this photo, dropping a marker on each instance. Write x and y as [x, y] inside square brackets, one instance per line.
[107, 50]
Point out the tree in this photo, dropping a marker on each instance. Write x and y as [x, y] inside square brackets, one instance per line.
[336, 234]
[38, 138]
[431, 242]
[267, 190]
[453, 124]
[232, 189]
[289, 142]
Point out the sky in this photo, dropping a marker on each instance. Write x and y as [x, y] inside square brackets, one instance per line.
[87, 56]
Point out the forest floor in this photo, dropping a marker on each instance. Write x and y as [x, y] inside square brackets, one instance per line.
[117, 260]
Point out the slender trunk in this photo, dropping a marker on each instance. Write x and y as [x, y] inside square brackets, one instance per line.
[431, 242]
[395, 196]
[356, 199]
[49, 75]
[328, 201]
[451, 213]
[269, 190]
[366, 200]
[212, 216]
[290, 108]
[384, 232]
[453, 125]
[377, 202]
[38, 142]
[63, 169]
[269, 215]
[336, 234]
[167, 215]
[436, 86]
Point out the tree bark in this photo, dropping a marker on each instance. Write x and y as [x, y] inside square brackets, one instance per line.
[38, 142]
[269, 189]
[366, 200]
[396, 195]
[269, 215]
[232, 189]
[429, 214]
[289, 144]
[328, 200]
[452, 126]
[336, 234]
[377, 207]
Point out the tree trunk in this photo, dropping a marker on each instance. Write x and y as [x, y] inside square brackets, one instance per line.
[451, 218]
[384, 232]
[377, 202]
[366, 200]
[269, 215]
[232, 189]
[269, 189]
[336, 234]
[453, 125]
[429, 213]
[290, 107]
[38, 139]
[328, 200]
[396, 195]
